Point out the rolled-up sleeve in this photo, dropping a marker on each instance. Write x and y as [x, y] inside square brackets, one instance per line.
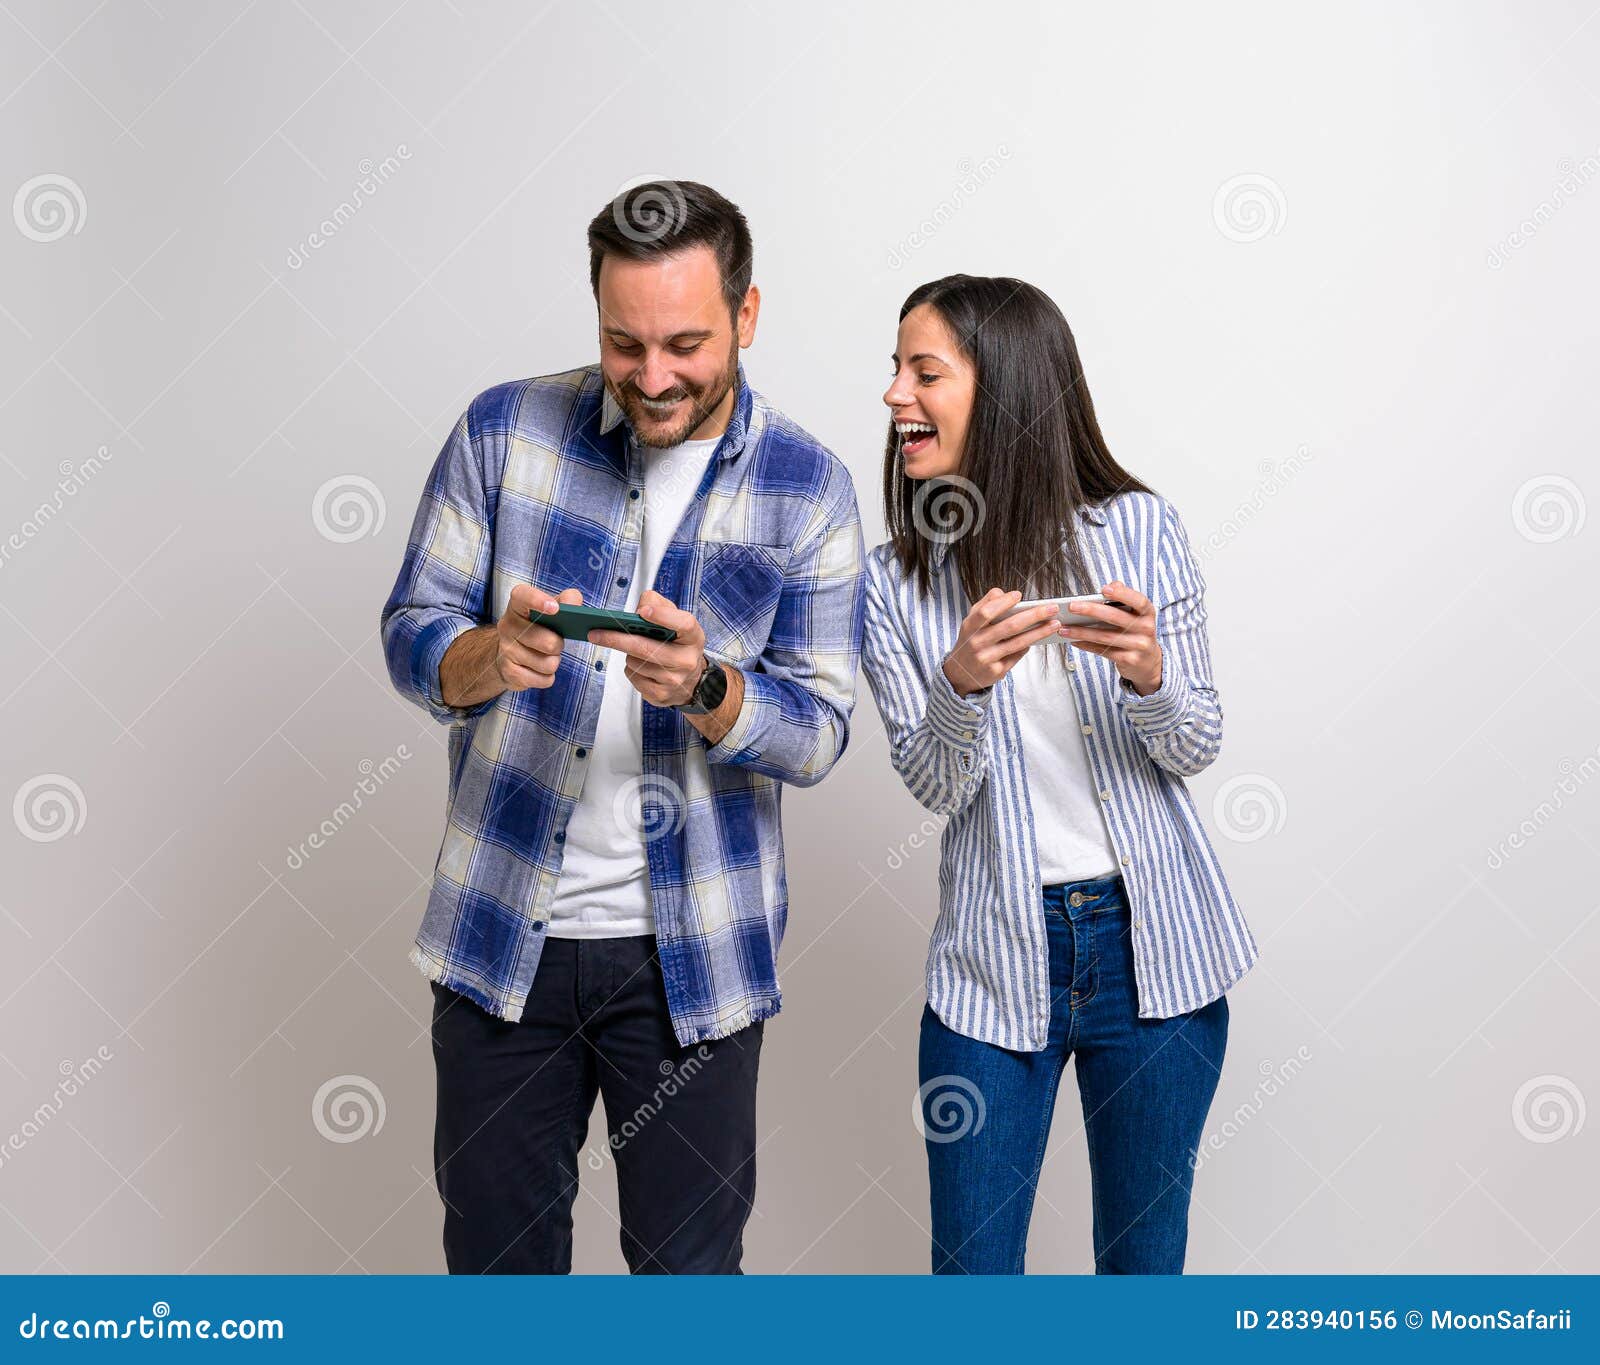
[1180, 723]
[443, 585]
[794, 722]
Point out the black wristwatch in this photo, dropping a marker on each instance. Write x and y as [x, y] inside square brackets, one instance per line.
[708, 692]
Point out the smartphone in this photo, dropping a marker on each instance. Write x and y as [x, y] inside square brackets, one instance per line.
[1067, 618]
[575, 623]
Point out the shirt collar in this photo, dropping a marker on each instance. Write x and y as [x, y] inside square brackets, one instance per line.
[1090, 512]
[733, 439]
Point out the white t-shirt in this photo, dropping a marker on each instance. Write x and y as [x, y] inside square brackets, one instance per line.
[1069, 820]
[604, 888]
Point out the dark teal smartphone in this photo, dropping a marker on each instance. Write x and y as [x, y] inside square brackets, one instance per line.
[575, 623]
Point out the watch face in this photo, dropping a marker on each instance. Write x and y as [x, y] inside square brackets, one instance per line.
[709, 691]
[696, 705]
[713, 687]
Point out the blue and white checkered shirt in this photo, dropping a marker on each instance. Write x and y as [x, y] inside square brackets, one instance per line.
[541, 482]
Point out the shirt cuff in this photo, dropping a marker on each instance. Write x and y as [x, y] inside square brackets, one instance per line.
[958, 721]
[1164, 709]
[731, 747]
[426, 656]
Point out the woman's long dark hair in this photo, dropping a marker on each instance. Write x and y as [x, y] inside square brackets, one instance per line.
[1033, 453]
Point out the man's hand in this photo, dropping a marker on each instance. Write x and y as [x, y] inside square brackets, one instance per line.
[990, 642]
[511, 655]
[528, 655]
[1128, 638]
[663, 674]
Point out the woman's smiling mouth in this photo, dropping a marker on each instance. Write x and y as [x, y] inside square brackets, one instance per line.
[915, 437]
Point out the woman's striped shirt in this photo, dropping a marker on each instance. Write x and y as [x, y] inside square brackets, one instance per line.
[988, 963]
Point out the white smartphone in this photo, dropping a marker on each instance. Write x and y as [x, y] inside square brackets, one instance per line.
[1067, 618]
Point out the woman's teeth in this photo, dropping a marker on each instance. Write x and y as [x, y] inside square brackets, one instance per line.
[914, 435]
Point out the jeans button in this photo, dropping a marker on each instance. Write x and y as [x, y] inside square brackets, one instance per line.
[1076, 898]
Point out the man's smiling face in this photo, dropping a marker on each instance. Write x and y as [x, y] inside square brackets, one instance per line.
[669, 350]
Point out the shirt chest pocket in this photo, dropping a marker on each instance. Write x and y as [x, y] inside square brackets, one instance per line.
[737, 596]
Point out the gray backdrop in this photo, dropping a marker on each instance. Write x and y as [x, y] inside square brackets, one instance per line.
[1332, 273]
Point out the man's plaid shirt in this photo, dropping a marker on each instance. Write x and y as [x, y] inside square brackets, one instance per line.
[542, 483]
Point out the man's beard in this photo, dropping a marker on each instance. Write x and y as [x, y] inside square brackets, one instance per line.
[703, 401]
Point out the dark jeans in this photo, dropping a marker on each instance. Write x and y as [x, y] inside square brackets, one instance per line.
[513, 1109]
[1145, 1086]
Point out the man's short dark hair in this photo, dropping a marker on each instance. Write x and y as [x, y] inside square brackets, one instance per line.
[663, 217]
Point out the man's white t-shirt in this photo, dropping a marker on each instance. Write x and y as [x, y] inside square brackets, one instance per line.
[1069, 819]
[604, 888]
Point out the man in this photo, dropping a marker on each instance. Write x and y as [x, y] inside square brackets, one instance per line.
[609, 899]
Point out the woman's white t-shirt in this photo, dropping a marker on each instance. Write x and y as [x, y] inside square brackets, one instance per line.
[1069, 821]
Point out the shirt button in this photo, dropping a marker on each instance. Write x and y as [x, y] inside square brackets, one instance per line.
[583, 753]
[600, 664]
[1088, 729]
[633, 492]
[622, 582]
[1072, 665]
[1126, 860]
[1104, 795]
[966, 734]
[560, 837]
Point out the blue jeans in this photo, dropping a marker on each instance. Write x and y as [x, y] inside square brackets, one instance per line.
[1145, 1086]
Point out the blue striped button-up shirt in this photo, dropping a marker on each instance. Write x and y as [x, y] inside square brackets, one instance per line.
[540, 482]
[988, 964]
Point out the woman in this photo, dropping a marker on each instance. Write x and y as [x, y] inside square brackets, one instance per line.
[1082, 910]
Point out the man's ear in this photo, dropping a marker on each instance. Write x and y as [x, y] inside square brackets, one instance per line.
[748, 311]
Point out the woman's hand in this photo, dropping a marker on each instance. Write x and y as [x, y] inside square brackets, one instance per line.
[1128, 638]
[990, 643]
